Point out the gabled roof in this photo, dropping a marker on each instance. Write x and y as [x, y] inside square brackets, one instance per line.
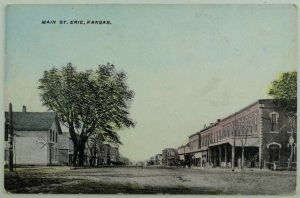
[34, 121]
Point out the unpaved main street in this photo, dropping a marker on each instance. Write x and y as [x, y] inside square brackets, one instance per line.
[149, 180]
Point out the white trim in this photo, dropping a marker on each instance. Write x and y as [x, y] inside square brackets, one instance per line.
[272, 143]
[291, 132]
[274, 112]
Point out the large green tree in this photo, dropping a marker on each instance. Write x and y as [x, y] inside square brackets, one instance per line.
[87, 102]
[284, 92]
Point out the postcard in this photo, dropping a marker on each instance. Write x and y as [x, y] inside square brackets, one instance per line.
[180, 99]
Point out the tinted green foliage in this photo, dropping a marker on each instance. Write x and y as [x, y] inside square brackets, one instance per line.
[88, 102]
[284, 91]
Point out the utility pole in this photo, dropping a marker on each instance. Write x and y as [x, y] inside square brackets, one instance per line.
[11, 139]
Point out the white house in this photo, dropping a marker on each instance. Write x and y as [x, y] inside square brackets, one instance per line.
[36, 136]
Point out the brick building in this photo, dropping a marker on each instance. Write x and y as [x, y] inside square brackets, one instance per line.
[190, 153]
[258, 128]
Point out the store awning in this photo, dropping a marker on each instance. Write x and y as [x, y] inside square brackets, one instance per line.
[250, 142]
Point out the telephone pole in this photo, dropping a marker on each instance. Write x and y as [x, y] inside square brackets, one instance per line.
[11, 139]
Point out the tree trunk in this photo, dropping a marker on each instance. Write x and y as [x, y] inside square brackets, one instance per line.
[242, 163]
[75, 142]
[75, 154]
[81, 149]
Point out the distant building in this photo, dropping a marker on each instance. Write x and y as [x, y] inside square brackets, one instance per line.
[181, 154]
[151, 160]
[113, 153]
[185, 154]
[158, 159]
[101, 153]
[169, 157]
[65, 149]
[36, 136]
[155, 160]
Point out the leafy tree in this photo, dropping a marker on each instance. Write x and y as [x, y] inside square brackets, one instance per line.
[87, 102]
[284, 91]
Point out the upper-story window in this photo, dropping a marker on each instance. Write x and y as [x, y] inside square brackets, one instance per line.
[53, 135]
[274, 121]
[50, 134]
[255, 123]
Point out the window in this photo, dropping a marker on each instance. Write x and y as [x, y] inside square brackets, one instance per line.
[255, 123]
[273, 122]
[228, 130]
[232, 129]
[215, 136]
[274, 119]
[6, 155]
[50, 135]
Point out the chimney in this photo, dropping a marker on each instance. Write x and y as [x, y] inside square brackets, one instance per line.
[24, 109]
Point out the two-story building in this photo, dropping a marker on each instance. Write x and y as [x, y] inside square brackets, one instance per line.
[257, 129]
[190, 153]
[169, 157]
[36, 136]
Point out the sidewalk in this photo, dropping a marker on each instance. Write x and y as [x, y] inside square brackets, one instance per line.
[229, 169]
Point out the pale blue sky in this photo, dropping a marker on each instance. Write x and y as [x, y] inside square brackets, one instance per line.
[188, 64]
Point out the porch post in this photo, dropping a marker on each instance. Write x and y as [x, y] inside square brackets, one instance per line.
[208, 156]
[220, 155]
[210, 153]
[232, 157]
[225, 147]
[259, 157]
[215, 162]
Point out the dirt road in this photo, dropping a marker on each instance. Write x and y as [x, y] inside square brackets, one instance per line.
[137, 180]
